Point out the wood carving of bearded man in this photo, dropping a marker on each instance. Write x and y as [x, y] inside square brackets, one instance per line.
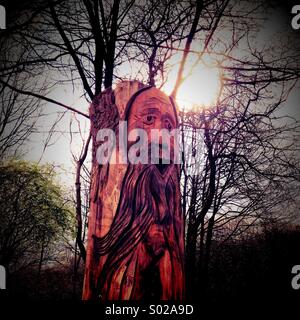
[136, 236]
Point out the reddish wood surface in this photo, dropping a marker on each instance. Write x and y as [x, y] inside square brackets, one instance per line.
[136, 228]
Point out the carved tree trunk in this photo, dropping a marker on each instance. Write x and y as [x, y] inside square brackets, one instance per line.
[135, 244]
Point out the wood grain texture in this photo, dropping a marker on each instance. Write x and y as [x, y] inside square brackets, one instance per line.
[135, 243]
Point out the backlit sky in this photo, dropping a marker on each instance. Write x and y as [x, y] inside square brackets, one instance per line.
[202, 89]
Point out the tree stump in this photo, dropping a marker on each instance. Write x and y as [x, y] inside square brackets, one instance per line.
[135, 245]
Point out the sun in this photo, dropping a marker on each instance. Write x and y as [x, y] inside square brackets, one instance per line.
[201, 87]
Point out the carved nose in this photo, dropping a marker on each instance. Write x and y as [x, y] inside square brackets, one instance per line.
[162, 167]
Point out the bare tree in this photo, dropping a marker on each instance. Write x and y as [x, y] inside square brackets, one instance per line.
[82, 43]
[17, 120]
[250, 153]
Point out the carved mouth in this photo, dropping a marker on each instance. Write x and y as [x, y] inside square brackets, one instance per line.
[162, 167]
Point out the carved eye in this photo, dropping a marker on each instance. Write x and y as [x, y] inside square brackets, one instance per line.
[168, 125]
[149, 119]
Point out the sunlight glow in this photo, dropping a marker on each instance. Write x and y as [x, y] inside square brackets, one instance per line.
[201, 87]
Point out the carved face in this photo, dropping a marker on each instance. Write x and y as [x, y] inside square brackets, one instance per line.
[152, 109]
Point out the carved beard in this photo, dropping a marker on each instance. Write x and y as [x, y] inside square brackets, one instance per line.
[146, 226]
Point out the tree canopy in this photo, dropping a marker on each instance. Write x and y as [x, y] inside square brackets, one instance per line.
[34, 213]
